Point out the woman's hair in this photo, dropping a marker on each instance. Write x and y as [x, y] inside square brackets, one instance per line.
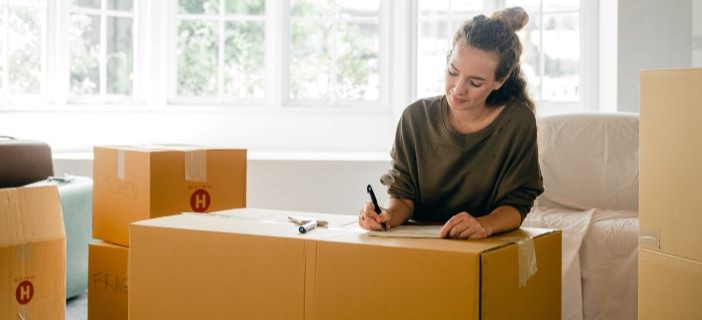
[498, 34]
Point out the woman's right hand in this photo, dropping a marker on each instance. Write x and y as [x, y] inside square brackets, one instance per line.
[370, 220]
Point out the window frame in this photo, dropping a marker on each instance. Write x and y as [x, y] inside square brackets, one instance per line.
[270, 126]
[588, 73]
[103, 98]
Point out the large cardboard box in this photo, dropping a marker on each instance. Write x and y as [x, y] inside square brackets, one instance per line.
[108, 281]
[670, 287]
[138, 183]
[254, 264]
[32, 254]
[670, 158]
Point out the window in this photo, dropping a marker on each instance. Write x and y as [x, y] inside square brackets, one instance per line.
[22, 49]
[334, 50]
[220, 48]
[551, 47]
[101, 55]
[326, 53]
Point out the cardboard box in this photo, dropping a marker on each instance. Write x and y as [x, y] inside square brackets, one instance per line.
[254, 264]
[32, 254]
[138, 183]
[669, 287]
[670, 172]
[108, 284]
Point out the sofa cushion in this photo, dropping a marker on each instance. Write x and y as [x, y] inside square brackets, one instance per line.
[590, 160]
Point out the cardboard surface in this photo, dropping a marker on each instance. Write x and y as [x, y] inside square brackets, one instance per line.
[108, 284]
[32, 254]
[138, 183]
[669, 287]
[670, 157]
[232, 265]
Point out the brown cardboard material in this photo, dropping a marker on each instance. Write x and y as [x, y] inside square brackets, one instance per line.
[670, 287]
[233, 265]
[670, 157]
[138, 183]
[108, 285]
[32, 254]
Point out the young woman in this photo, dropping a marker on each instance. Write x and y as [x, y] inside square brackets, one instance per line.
[468, 158]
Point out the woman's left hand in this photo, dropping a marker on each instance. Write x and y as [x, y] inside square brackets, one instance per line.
[465, 226]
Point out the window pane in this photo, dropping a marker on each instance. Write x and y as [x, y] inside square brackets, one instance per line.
[2, 48]
[432, 46]
[531, 52]
[432, 7]
[197, 58]
[24, 52]
[357, 74]
[244, 66]
[120, 5]
[561, 5]
[532, 7]
[465, 7]
[119, 56]
[355, 8]
[84, 40]
[246, 6]
[310, 60]
[198, 6]
[94, 4]
[311, 8]
[561, 43]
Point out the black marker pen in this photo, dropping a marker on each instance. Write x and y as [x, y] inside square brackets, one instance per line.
[375, 204]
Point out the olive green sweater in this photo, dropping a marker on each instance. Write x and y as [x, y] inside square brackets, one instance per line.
[446, 172]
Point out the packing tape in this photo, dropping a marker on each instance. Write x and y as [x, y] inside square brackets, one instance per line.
[24, 252]
[527, 260]
[120, 164]
[196, 165]
[650, 238]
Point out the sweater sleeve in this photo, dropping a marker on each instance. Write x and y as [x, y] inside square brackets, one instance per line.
[522, 181]
[401, 177]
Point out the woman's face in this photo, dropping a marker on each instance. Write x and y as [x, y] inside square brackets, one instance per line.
[470, 77]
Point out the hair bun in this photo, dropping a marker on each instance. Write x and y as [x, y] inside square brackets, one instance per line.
[515, 18]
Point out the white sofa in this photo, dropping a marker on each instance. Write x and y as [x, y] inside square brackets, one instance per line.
[589, 162]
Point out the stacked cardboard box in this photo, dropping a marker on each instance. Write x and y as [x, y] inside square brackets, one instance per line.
[32, 254]
[254, 264]
[133, 183]
[670, 255]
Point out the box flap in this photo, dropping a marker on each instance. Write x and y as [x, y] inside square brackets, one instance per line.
[503, 282]
[342, 228]
[30, 214]
[164, 147]
[246, 223]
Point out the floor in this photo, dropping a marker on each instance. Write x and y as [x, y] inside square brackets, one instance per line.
[77, 307]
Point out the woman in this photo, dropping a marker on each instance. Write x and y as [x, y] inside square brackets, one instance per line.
[468, 158]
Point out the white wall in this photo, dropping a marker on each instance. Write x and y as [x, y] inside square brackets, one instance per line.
[697, 33]
[651, 34]
[334, 185]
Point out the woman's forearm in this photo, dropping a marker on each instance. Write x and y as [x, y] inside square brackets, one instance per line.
[503, 218]
[400, 210]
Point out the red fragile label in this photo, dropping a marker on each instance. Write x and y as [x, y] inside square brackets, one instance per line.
[200, 200]
[24, 292]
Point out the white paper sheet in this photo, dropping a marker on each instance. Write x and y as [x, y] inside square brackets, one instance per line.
[409, 231]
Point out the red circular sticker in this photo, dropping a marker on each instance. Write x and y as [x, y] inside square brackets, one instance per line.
[24, 292]
[200, 200]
